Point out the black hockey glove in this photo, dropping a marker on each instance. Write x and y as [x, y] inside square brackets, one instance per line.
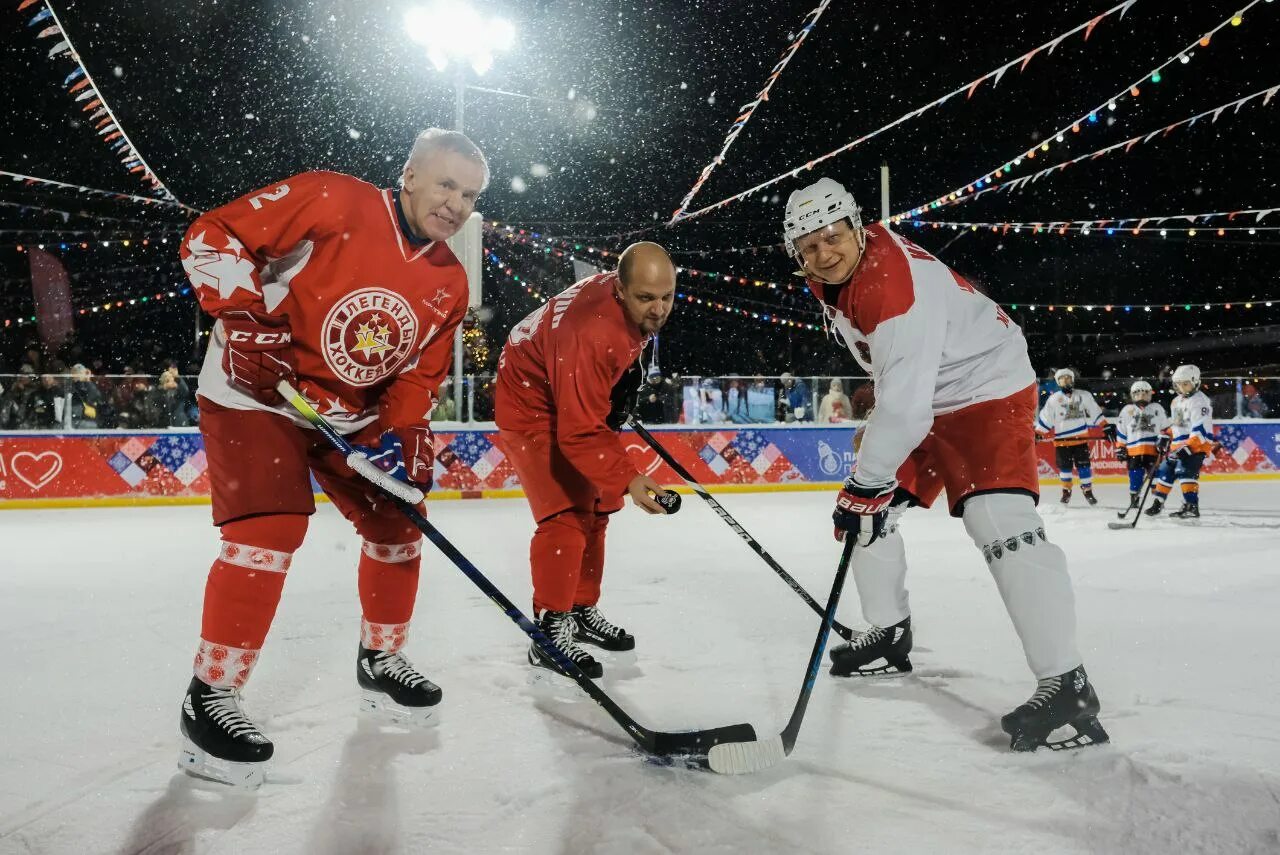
[862, 511]
[622, 398]
[1122, 454]
[1162, 445]
[1109, 433]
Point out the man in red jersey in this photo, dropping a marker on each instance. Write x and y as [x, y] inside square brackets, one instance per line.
[552, 407]
[349, 292]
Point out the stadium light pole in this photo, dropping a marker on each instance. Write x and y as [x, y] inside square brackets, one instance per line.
[456, 35]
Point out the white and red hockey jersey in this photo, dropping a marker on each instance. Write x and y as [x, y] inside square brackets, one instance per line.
[1138, 426]
[372, 310]
[930, 341]
[1071, 417]
[1192, 425]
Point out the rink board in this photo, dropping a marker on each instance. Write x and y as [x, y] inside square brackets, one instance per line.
[54, 469]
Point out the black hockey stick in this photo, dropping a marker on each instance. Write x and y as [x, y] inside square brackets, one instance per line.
[694, 744]
[737, 758]
[841, 630]
[1151, 479]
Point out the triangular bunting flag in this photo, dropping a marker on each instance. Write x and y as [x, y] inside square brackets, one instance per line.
[60, 47]
[73, 75]
[973, 86]
[1088, 31]
[1027, 59]
[48, 31]
[1270, 94]
[25, 3]
[44, 13]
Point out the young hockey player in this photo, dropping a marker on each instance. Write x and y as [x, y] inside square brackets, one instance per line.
[955, 393]
[350, 293]
[1190, 440]
[1138, 430]
[552, 405]
[1071, 415]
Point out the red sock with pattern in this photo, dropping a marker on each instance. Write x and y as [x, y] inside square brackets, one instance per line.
[242, 593]
[388, 587]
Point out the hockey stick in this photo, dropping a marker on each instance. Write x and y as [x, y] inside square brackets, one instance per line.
[737, 758]
[841, 630]
[695, 743]
[1151, 479]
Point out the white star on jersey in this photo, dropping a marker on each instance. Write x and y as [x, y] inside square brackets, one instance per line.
[225, 270]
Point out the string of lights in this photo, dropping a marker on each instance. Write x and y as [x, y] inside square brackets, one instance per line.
[1197, 224]
[1090, 117]
[108, 306]
[35, 181]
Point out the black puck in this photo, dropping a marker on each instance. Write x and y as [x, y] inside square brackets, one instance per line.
[669, 499]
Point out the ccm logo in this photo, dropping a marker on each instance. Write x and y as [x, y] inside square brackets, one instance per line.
[261, 338]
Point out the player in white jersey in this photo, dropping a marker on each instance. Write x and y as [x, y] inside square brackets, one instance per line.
[1138, 430]
[1072, 415]
[954, 394]
[1190, 440]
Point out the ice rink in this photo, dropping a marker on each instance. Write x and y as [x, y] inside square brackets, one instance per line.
[100, 609]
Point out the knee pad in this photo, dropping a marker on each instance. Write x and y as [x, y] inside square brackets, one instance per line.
[1000, 522]
[277, 532]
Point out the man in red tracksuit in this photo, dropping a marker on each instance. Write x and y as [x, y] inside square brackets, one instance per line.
[350, 293]
[555, 379]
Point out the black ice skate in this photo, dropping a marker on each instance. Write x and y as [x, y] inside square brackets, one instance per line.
[1154, 510]
[1188, 512]
[560, 627]
[1065, 700]
[592, 628]
[1088, 495]
[218, 740]
[1066, 497]
[890, 644]
[389, 684]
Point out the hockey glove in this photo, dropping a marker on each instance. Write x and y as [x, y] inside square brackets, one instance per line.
[1122, 454]
[419, 453]
[1109, 433]
[862, 510]
[1162, 445]
[257, 353]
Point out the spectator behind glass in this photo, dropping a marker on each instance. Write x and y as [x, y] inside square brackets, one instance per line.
[85, 399]
[793, 400]
[835, 406]
[736, 403]
[760, 401]
[13, 402]
[44, 404]
[167, 405]
[653, 401]
[141, 411]
[711, 402]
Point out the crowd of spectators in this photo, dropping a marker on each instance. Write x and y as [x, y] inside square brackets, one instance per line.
[756, 400]
[45, 392]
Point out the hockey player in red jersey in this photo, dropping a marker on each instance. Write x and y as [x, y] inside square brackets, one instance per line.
[349, 292]
[955, 393]
[552, 406]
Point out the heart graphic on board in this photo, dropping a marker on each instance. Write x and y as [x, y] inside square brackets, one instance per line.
[36, 470]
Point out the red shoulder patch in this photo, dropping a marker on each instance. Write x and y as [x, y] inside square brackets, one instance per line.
[881, 286]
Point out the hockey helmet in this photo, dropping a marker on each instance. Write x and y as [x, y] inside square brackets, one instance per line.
[1068, 374]
[1186, 374]
[817, 206]
[1140, 387]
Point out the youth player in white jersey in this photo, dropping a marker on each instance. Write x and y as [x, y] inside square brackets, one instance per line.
[1189, 442]
[955, 392]
[1071, 415]
[1138, 429]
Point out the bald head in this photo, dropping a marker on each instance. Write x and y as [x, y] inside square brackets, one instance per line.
[646, 285]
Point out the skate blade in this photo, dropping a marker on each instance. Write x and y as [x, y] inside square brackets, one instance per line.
[888, 669]
[1087, 731]
[376, 704]
[200, 764]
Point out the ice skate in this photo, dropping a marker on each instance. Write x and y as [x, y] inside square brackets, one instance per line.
[889, 645]
[1067, 700]
[1088, 496]
[218, 741]
[390, 685]
[1066, 497]
[592, 628]
[561, 627]
[1187, 512]
[1154, 510]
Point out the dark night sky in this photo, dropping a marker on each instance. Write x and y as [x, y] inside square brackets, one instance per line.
[224, 97]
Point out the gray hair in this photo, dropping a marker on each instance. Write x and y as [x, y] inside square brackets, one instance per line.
[433, 139]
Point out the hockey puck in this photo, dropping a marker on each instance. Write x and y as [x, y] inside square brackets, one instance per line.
[669, 499]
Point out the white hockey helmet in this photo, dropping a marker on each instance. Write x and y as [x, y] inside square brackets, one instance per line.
[1140, 387]
[817, 206]
[1186, 374]
[1064, 372]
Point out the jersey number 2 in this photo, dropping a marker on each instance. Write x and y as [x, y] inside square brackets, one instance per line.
[274, 196]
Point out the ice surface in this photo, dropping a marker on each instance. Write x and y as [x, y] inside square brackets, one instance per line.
[99, 614]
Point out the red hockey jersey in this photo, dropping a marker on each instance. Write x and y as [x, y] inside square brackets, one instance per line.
[556, 373]
[372, 310]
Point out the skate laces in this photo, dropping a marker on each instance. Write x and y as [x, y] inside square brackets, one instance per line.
[563, 638]
[398, 668]
[597, 621]
[1045, 689]
[870, 637]
[223, 706]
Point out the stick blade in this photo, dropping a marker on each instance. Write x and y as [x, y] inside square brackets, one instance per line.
[1117, 526]
[742, 758]
[697, 743]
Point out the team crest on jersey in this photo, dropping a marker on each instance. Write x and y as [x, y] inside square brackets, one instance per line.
[368, 335]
